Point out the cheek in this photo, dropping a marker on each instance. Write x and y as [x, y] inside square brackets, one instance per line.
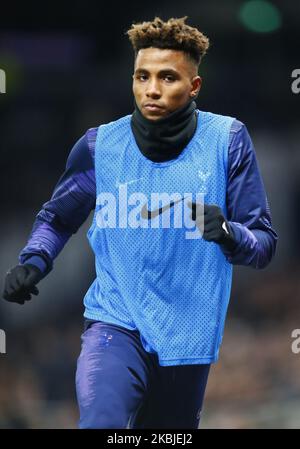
[137, 91]
[179, 93]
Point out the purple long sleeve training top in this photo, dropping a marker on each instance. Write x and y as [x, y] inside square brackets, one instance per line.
[74, 197]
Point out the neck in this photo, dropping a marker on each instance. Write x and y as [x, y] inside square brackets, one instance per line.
[168, 118]
[164, 139]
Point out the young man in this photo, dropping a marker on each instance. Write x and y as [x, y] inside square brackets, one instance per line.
[155, 313]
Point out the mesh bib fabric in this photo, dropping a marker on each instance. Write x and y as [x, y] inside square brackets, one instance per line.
[154, 271]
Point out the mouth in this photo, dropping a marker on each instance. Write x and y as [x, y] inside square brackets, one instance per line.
[152, 107]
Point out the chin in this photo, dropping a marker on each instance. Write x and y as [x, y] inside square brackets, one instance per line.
[153, 116]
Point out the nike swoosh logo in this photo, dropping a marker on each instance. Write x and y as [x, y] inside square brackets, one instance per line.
[118, 184]
[150, 214]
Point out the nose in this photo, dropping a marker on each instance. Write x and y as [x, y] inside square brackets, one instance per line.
[153, 90]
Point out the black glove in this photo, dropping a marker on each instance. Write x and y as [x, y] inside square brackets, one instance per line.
[20, 283]
[216, 227]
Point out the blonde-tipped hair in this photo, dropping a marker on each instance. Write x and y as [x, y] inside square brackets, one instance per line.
[172, 34]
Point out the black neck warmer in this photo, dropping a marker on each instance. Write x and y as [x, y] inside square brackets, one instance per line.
[165, 138]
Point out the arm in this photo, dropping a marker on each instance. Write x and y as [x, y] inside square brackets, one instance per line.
[247, 205]
[73, 198]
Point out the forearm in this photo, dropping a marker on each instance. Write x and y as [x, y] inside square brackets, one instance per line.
[248, 212]
[72, 200]
[44, 244]
[254, 247]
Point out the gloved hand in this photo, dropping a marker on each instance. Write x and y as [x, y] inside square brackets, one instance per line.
[216, 227]
[20, 283]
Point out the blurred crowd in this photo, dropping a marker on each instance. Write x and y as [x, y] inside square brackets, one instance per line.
[69, 72]
[255, 383]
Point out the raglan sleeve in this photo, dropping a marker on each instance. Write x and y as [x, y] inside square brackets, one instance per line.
[248, 209]
[72, 200]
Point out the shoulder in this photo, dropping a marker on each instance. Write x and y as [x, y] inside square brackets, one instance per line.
[241, 149]
[113, 133]
[83, 151]
[119, 123]
[90, 136]
[239, 137]
[216, 122]
[116, 129]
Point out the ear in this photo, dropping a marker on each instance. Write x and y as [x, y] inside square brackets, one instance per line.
[196, 83]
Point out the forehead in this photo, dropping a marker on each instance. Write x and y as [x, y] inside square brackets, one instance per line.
[155, 59]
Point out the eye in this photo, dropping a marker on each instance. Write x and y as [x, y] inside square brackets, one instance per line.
[142, 77]
[169, 78]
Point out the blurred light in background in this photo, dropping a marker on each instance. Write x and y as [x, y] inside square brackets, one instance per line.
[260, 16]
[13, 72]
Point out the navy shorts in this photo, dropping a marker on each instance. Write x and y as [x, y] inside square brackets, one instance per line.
[120, 385]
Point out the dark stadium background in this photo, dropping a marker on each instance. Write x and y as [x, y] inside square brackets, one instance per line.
[68, 68]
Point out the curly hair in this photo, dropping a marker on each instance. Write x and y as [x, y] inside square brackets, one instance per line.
[173, 34]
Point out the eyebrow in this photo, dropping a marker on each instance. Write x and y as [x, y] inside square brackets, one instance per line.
[161, 72]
